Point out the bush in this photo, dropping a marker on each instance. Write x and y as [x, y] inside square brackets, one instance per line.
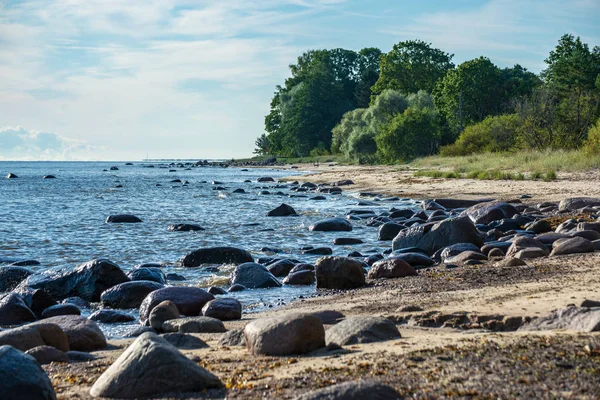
[493, 134]
[591, 146]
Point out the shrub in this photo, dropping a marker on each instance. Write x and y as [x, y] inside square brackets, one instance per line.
[591, 145]
[493, 134]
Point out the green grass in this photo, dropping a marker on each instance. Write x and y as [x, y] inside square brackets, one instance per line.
[493, 175]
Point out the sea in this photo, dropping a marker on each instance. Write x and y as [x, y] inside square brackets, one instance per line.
[61, 222]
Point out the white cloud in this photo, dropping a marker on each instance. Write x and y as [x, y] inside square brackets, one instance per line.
[18, 143]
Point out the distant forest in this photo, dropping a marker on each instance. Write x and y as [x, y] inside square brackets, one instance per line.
[375, 107]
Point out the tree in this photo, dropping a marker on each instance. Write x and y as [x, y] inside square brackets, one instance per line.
[262, 145]
[411, 66]
[517, 83]
[469, 93]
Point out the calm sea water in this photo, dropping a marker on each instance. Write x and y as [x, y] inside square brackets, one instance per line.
[61, 222]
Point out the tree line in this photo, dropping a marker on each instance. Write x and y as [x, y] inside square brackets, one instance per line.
[413, 101]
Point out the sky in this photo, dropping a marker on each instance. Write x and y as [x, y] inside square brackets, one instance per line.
[193, 79]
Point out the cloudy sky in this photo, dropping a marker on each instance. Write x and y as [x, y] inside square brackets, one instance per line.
[122, 79]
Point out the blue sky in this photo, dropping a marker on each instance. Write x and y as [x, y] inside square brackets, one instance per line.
[117, 80]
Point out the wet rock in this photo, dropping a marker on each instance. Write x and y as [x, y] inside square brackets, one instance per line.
[82, 333]
[87, 281]
[353, 390]
[175, 277]
[590, 303]
[185, 341]
[364, 329]
[252, 275]
[265, 179]
[224, 309]
[339, 273]
[391, 268]
[285, 335]
[234, 337]
[389, 231]
[38, 334]
[61, 309]
[149, 367]
[331, 225]
[305, 277]
[302, 267]
[216, 255]
[346, 241]
[123, 219]
[13, 311]
[281, 268]
[372, 259]
[164, 311]
[11, 276]
[11, 176]
[184, 228]
[128, 294]
[322, 251]
[147, 272]
[189, 300]
[47, 354]
[236, 288]
[21, 377]
[572, 246]
[575, 203]
[484, 213]
[216, 290]
[581, 319]
[111, 317]
[431, 237]
[283, 210]
[194, 325]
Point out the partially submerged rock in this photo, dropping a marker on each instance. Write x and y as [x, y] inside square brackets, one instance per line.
[339, 273]
[216, 255]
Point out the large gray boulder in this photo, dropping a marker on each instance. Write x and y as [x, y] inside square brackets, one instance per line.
[581, 319]
[432, 237]
[223, 308]
[456, 249]
[10, 277]
[575, 203]
[47, 354]
[285, 335]
[389, 230]
[572, 246]
[353, 390]
[194, 325]
[391, 268]
[87, 281]
[484, 213]
[13, 311]
[21, 377]
[189, 300]
[34, 335]
[128, 294]
[332, 225]
[149, 367]
[253, 276]
[83, 334]
[215, 255]
[147, 272]
[363, 329]
[164, 311]
[524, 242]
[339, 273]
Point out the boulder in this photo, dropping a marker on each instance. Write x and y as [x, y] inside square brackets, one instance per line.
[76, 301]
[587, 234]
[216, 290]
[11, 176]
[61, 309]
[184, 228]
[529, 253]
[282, 211]
[122, 219]
[575, 203]
[13, 311]
[353, 390]
[128, 294]
[21, 377]
[329, 317]
[216, 255]
[484, 213]
[551, 237]
[467, 256]
[281, 268]
[321, 251]
[87, 281]
[111, 317]
[331, 225]
[431, 237]
[189, 300]
[391, 268]
[37, 300]
[265, 179]
[523, 242]
[194, 325]
[164, 311]
[148, 272]
[540, 226]
[339, 273]
[572, 246]
[149, 367]
[389, 231]
[284, 335]
[459, 203]
[185, 341]
[224, 309]
[346, 241]
[364, 329]
[581, 319]
[300, 278]
[82, 333]
[456, 249]
[253, 276]
[10, 277]
[414, 258]
[234, 337]
[47, 354]
[34, 335]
